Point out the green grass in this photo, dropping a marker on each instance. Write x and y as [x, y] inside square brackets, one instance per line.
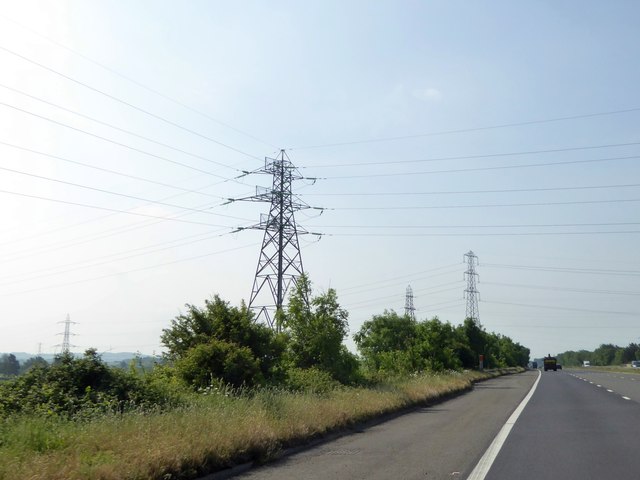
[214, 431]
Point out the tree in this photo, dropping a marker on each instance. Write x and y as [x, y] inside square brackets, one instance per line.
[219, 331]
[437, 344]
[222, 360]
[317, 329]
[33, 362]
[385, 342]
[74, 386]
[605, 354]
[9, 364]
[473, 343]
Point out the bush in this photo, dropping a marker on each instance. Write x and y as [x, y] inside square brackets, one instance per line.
[228, 362]
[311, 380]
[78, 388]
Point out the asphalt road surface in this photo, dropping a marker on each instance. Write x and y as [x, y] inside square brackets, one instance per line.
[440, 442]
[578, 425]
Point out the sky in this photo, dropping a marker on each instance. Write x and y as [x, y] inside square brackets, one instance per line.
[433, 128]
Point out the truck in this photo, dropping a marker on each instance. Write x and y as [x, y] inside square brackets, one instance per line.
[586, 363]
[550, 363]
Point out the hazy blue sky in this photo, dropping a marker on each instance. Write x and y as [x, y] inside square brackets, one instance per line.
[436, 127]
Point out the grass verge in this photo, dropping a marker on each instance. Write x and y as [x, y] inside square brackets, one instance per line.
[214, 432]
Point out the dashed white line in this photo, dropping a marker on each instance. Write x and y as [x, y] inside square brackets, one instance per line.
[626, 398]
[610, 391]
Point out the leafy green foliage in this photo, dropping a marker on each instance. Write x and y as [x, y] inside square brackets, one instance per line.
[317, 329]
[394, 344]
[223, 342]
[78, 387]
[206, 362]
[9, 364]
[33, 362]
[605, 355]
[386, 342]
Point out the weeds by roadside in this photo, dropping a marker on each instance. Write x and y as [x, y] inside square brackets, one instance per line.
[216, 428]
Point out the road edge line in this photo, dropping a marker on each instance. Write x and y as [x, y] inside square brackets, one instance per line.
[482, 468]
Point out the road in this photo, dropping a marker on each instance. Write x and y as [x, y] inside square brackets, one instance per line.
[579, 424]
[444, 441]
[575, 429]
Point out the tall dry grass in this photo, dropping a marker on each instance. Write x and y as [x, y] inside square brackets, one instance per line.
[215, 431]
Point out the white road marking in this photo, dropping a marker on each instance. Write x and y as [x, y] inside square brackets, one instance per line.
[626, 398]
[610, 391]
[599, 386]
[483, 466]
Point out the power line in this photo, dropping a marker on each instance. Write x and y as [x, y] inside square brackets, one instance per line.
[388, 297]
[142, 110]
[135, 82]
[532, 225]
[476, 234]
[490, 205]
[109, 233]
[106, 170]
[81, 265]
[84, 205]
[564, 308]
[115, 142]
[467, 130]
[403, 276]
[473, 157]
[58, 285]
[115, 127]
[563, 289]
[124, 195]
[508, 190]
[479, 169]
[565, 269]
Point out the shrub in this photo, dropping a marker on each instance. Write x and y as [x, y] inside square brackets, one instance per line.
[78, 388]
[313, 380]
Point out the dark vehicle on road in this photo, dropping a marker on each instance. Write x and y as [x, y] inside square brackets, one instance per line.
[550, 363]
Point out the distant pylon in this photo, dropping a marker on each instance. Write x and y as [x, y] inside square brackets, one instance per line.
[66, 343]
[409, 309]
[471, 293]
[280, 260]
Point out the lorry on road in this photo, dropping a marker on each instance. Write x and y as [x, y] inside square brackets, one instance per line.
[550, 363]
[586, 363]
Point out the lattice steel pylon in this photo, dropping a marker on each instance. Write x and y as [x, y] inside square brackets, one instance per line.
[66, 342]
[409, 309]
[471, 293]
[280, 260]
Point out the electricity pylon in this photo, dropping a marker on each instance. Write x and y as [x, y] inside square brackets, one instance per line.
[280, 259]
[66, 343]
[471, 293]
[409, 309]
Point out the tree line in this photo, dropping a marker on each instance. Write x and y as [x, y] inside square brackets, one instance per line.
[222, 346]
[606, 354]
[224, 342]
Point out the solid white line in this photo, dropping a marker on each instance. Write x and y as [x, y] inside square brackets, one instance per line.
[483, 466]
